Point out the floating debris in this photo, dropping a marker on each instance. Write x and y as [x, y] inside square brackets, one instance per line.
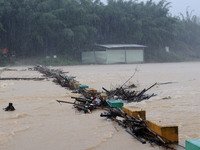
[53, 73]
[167, 83]
[35, 79]
[8, 69]
[90, 95]
[138, 128]
[10, 107]
[91, 99]
[130, 95]
[168, 97]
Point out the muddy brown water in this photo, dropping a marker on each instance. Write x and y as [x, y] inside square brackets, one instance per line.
[39, 122]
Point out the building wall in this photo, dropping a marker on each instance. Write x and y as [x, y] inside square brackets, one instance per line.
[125, 56]
[134, 56]
[101, 57]
[93, 57]
[113, 56]
[88, 57]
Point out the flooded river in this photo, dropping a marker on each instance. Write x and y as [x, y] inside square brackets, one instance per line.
[40, 123]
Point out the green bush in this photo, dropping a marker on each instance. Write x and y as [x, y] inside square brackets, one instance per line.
[171, 56]
[4, 60]
[58, 60]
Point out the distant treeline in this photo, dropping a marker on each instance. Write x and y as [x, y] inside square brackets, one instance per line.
[67, 27]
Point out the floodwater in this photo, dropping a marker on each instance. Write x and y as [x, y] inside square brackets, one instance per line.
[40, 123]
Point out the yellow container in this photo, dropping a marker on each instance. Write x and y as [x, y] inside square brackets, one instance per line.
[77, 84]
[169, 132]
[103, 95]
[91, 90]
[134, 111]
[72, 83]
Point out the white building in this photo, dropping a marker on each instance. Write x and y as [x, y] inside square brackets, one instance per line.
[114, 53]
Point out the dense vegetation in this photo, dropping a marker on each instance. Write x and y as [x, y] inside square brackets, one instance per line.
[33, 28]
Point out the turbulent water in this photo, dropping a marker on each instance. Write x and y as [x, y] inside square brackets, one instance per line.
[39, 122]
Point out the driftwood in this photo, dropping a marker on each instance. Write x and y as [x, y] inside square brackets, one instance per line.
[86, 105]
[166, 83]
[58, 75]
[128, 95]
[138, 128]
[48, 72]
[35, 79]
[7, 69]
[78, 106]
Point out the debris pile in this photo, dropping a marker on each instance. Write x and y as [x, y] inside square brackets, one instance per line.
[91, 100]
[86, 105]
[58, 75]
[48, 72]
[138, 128]
[34, 79]
[129, 95]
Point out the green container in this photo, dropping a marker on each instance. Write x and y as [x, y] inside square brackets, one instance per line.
[69, 79]
[115, 103]
[192, 144]
[83, 86]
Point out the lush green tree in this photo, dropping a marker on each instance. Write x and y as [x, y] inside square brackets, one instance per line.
[67, 27]
[188, 35]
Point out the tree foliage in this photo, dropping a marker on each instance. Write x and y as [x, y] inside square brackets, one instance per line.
[47, 27]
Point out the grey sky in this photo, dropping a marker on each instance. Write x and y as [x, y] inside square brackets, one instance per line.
[180, 6]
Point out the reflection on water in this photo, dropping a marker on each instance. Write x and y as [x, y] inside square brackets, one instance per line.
[39, 122]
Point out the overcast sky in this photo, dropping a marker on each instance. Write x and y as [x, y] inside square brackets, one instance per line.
[180, 6]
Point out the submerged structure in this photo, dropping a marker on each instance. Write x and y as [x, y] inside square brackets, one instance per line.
[114, 53]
